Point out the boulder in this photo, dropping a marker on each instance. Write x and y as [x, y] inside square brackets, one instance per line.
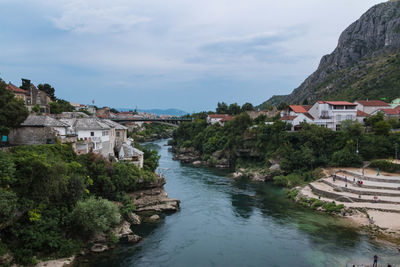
[97, 248]
[133, 238]
[134, 219]
[122, 229]
[197, 163]
[275, 167]
[154, 218]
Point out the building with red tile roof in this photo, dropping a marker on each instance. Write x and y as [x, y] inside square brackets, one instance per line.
[369, 106]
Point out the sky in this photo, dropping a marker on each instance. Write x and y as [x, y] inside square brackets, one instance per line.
[180, 54]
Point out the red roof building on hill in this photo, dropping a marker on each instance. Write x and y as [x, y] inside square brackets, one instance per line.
[370, 106]
[219, 118]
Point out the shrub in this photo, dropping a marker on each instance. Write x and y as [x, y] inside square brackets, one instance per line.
[332, 207]
[385, 165]
[94, 215]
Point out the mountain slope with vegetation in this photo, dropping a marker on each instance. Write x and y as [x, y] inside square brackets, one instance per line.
[365, 64]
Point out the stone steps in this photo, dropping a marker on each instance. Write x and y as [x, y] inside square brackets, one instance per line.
[355, 189]
[308, 192]
[381, 178]
[326, 190]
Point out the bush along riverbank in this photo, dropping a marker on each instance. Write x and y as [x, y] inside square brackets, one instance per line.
[267, 147]
[151, 132]
[55, 204]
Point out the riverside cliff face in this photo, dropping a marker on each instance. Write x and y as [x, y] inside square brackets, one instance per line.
[374, 36]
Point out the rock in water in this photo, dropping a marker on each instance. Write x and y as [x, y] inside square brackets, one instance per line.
[154, 218]
[133, 238]
[135, 219]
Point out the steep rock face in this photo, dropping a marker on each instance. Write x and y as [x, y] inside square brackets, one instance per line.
[376, 33]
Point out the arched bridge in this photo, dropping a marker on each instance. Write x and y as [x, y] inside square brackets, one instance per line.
[171, 121]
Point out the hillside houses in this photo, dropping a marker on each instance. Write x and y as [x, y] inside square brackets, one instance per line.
[102, 136]
[32, 97]
[331, 114]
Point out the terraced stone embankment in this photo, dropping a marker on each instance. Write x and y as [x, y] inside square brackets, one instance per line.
[381, 193]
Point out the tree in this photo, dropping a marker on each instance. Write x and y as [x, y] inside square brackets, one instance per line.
[113, 110]
[234, 109]
[12, 110]
[247, 107]
[382, 127]
[48, 89]
[353, 128]
[59, 106]
[94, 215]
[222, 108]
[283, 105]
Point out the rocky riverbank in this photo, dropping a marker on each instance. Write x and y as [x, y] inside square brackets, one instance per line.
[219, 159]
[150, 202]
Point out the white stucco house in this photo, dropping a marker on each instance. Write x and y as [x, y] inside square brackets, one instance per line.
[129, 153]
[92, 133]
[330, 114]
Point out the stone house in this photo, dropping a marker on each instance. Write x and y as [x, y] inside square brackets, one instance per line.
[296, 120]
[37, 130]
[92, 133]
[389, 113]
[32, 97]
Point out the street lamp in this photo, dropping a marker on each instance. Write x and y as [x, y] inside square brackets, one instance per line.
[357, 147]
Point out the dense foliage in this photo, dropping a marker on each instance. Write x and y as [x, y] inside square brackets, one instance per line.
[151, 131]
[12, 110]
[299, 153]
[52, 200]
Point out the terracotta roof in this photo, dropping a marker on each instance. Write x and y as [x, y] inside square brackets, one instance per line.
[373, 103]
[288, 118]
[16, 89]
[390, 111]
[298, 109]
[227, 118]
[307, 107]
[340, 103]
[218, 115]
[398, 107]
[362, 114]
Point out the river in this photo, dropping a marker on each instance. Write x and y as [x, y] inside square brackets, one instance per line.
[223, 222]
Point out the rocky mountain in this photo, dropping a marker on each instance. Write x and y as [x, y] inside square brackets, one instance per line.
[365, 63]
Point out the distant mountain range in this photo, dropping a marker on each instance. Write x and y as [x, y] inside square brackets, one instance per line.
[170, 111]
[364, 65]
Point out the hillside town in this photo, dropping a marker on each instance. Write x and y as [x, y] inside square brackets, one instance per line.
[92, 130]
[328, 114]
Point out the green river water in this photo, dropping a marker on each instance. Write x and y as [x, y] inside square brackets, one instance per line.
[223, 222]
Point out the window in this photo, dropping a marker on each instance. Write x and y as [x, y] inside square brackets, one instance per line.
[338, 117]
[338, 127]
[349, 117]
[91, 133]
[118, 134]
[38, 100]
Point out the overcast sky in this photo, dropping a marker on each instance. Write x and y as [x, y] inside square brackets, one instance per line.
[170, 53]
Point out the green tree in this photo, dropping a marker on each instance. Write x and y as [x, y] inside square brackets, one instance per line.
[12, 110]
[222, 108]
[283, 105]
[382, 127]
[234, 109]
[94, 215]
[48, 89]
[247, 107]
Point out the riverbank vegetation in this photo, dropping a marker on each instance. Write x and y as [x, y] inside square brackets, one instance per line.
[298, 154]
[53, 201]
[150, 132]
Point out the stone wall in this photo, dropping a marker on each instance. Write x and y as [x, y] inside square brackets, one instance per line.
[32, 136]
